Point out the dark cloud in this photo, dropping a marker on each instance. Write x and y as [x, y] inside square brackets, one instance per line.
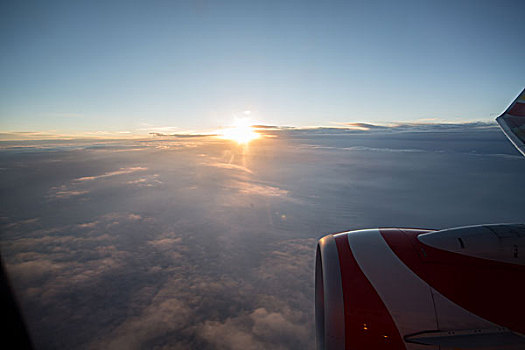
[364, 126]
[369, 128]
[183, 136]
[176, 243]
[260, 126]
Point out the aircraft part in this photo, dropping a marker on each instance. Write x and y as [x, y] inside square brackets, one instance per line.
[399, 293]
[512, 122]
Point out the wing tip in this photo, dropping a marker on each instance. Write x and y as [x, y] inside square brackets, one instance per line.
[512, 122]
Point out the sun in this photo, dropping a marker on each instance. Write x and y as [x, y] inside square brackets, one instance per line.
[241, 132]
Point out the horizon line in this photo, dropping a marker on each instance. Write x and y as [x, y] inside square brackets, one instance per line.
[260, 128]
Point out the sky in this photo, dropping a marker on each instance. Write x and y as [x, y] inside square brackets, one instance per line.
[134, 67]
[202, 243]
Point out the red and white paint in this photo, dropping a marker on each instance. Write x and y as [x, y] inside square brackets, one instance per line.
[390, 290]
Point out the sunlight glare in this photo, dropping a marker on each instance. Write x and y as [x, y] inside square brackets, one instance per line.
[241, 132]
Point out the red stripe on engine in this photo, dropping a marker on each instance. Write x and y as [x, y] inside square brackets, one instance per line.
[490, 289]
[368, 324]
[517, 110]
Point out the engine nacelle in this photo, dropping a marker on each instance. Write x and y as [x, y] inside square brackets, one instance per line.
[417, 289]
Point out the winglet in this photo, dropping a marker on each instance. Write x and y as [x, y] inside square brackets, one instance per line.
[512, 122]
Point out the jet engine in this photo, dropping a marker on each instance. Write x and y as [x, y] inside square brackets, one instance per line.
[397, 288]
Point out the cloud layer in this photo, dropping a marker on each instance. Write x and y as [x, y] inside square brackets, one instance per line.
[176, 243]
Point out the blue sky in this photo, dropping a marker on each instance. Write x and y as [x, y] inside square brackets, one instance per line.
[137, 66]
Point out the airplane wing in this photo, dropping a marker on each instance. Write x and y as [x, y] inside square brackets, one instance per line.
[512, 122]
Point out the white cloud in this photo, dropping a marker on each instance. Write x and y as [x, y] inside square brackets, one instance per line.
[259, 189]
[162, 316]
[146, 181]
[230, 166]
[121, 171]
[77, 187]
[63, 193]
